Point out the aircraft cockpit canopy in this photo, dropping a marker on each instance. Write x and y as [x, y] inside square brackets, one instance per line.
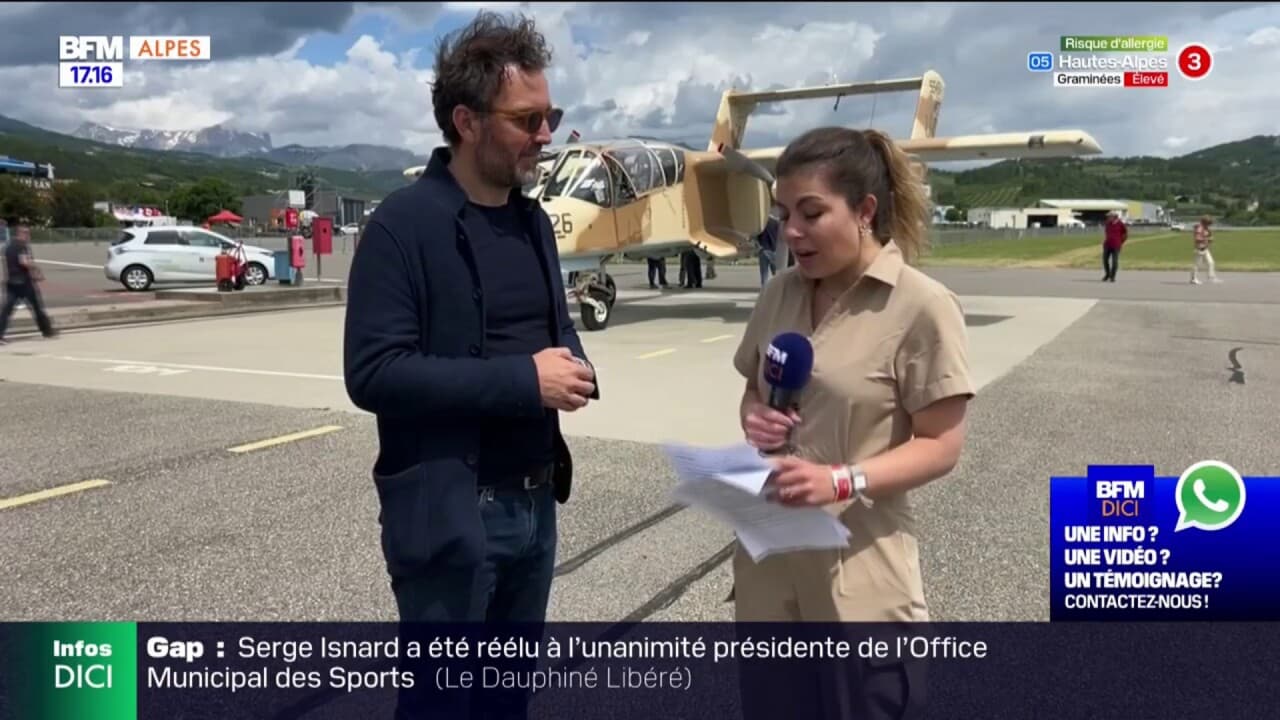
[614, 174]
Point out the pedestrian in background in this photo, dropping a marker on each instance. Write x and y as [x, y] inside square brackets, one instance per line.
[1114, 236]
[1203, 238]
[767, 241]
[21, 282]
[690, 269]
[658, 273]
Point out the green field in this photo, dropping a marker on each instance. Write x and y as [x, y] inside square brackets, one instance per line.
[1005, 251]
[1239, 250]
[1233, 250]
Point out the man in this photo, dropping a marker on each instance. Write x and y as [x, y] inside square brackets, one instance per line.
[768, 242]
[690, 269]
[21, 278]
[1204, 258]
[458, 338]
[658, 273]
[1116, 232]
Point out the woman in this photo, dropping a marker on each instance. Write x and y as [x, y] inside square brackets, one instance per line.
[1203, 258]
[883, 411]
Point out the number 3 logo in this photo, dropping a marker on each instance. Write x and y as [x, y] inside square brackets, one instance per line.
[1194, 61]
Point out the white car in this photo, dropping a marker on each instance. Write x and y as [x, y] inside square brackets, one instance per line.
[143, 256]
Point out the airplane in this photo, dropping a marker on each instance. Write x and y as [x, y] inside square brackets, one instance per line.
[644, 198]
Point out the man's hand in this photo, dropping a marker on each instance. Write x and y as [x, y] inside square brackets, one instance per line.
[799, 482]
[565, 384]
[767, 429]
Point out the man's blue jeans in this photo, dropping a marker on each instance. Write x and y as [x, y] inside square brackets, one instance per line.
[511, 586]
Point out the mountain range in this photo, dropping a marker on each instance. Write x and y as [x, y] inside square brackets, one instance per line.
[226, 142]
[1238, 182]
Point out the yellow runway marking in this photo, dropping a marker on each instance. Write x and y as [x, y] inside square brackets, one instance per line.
[51, 493]
[655, 353]
[717, 338]
[291, 437]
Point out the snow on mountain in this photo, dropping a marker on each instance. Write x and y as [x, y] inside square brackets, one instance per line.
[221, 141]
[216, 140]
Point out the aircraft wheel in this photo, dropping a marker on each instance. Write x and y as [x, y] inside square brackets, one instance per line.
[613, 289]
[597, 318]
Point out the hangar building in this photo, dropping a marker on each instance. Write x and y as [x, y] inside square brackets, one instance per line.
[1091, 212]
[1022, 218]
[1068, 213]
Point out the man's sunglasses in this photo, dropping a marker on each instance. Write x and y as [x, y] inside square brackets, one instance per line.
[531, 120]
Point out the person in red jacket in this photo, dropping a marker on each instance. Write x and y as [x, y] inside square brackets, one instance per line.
[1116, 233]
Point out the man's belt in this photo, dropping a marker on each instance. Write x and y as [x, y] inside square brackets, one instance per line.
[530, 481]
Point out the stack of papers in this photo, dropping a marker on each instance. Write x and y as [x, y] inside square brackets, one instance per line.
[728, 483]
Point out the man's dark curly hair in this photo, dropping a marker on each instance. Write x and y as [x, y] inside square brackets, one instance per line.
[471, 63]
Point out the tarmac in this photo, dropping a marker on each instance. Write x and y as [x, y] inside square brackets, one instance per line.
[214, 469]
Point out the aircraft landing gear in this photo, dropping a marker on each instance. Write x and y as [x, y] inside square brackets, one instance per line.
[596, 298]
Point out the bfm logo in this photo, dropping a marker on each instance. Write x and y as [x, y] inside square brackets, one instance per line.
[80, 47]
[1039, 61]
[776, 360]
[1120, 497]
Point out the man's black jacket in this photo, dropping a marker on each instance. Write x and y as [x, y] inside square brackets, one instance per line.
[414, 356]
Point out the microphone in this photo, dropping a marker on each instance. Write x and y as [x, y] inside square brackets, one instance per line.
[788, 364]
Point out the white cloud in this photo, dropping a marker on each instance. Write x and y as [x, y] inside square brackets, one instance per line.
[641, 69]
[368, 54]
[1264, 37]
[371, 97]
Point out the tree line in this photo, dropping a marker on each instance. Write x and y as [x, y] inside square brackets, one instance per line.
[70, 203]
[1234, 187]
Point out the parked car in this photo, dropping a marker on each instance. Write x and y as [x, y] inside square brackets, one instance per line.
[143, 256]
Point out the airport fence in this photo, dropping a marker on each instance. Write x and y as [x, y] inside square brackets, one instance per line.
[954, 236]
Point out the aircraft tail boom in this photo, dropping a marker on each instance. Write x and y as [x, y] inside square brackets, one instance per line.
[736, 107]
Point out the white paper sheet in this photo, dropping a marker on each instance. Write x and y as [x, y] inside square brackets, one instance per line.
[728, 483]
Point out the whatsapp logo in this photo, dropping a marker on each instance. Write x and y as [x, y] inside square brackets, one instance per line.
[1210, 496]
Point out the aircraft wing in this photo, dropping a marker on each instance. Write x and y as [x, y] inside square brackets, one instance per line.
[1031, 145]
[1036, 144]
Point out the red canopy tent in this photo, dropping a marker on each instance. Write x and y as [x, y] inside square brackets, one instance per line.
[226, 216]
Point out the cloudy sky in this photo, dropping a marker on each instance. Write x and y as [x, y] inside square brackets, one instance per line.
[337, 73]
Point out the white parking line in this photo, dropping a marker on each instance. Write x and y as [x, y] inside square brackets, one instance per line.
[207, 368]
[68, 264]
